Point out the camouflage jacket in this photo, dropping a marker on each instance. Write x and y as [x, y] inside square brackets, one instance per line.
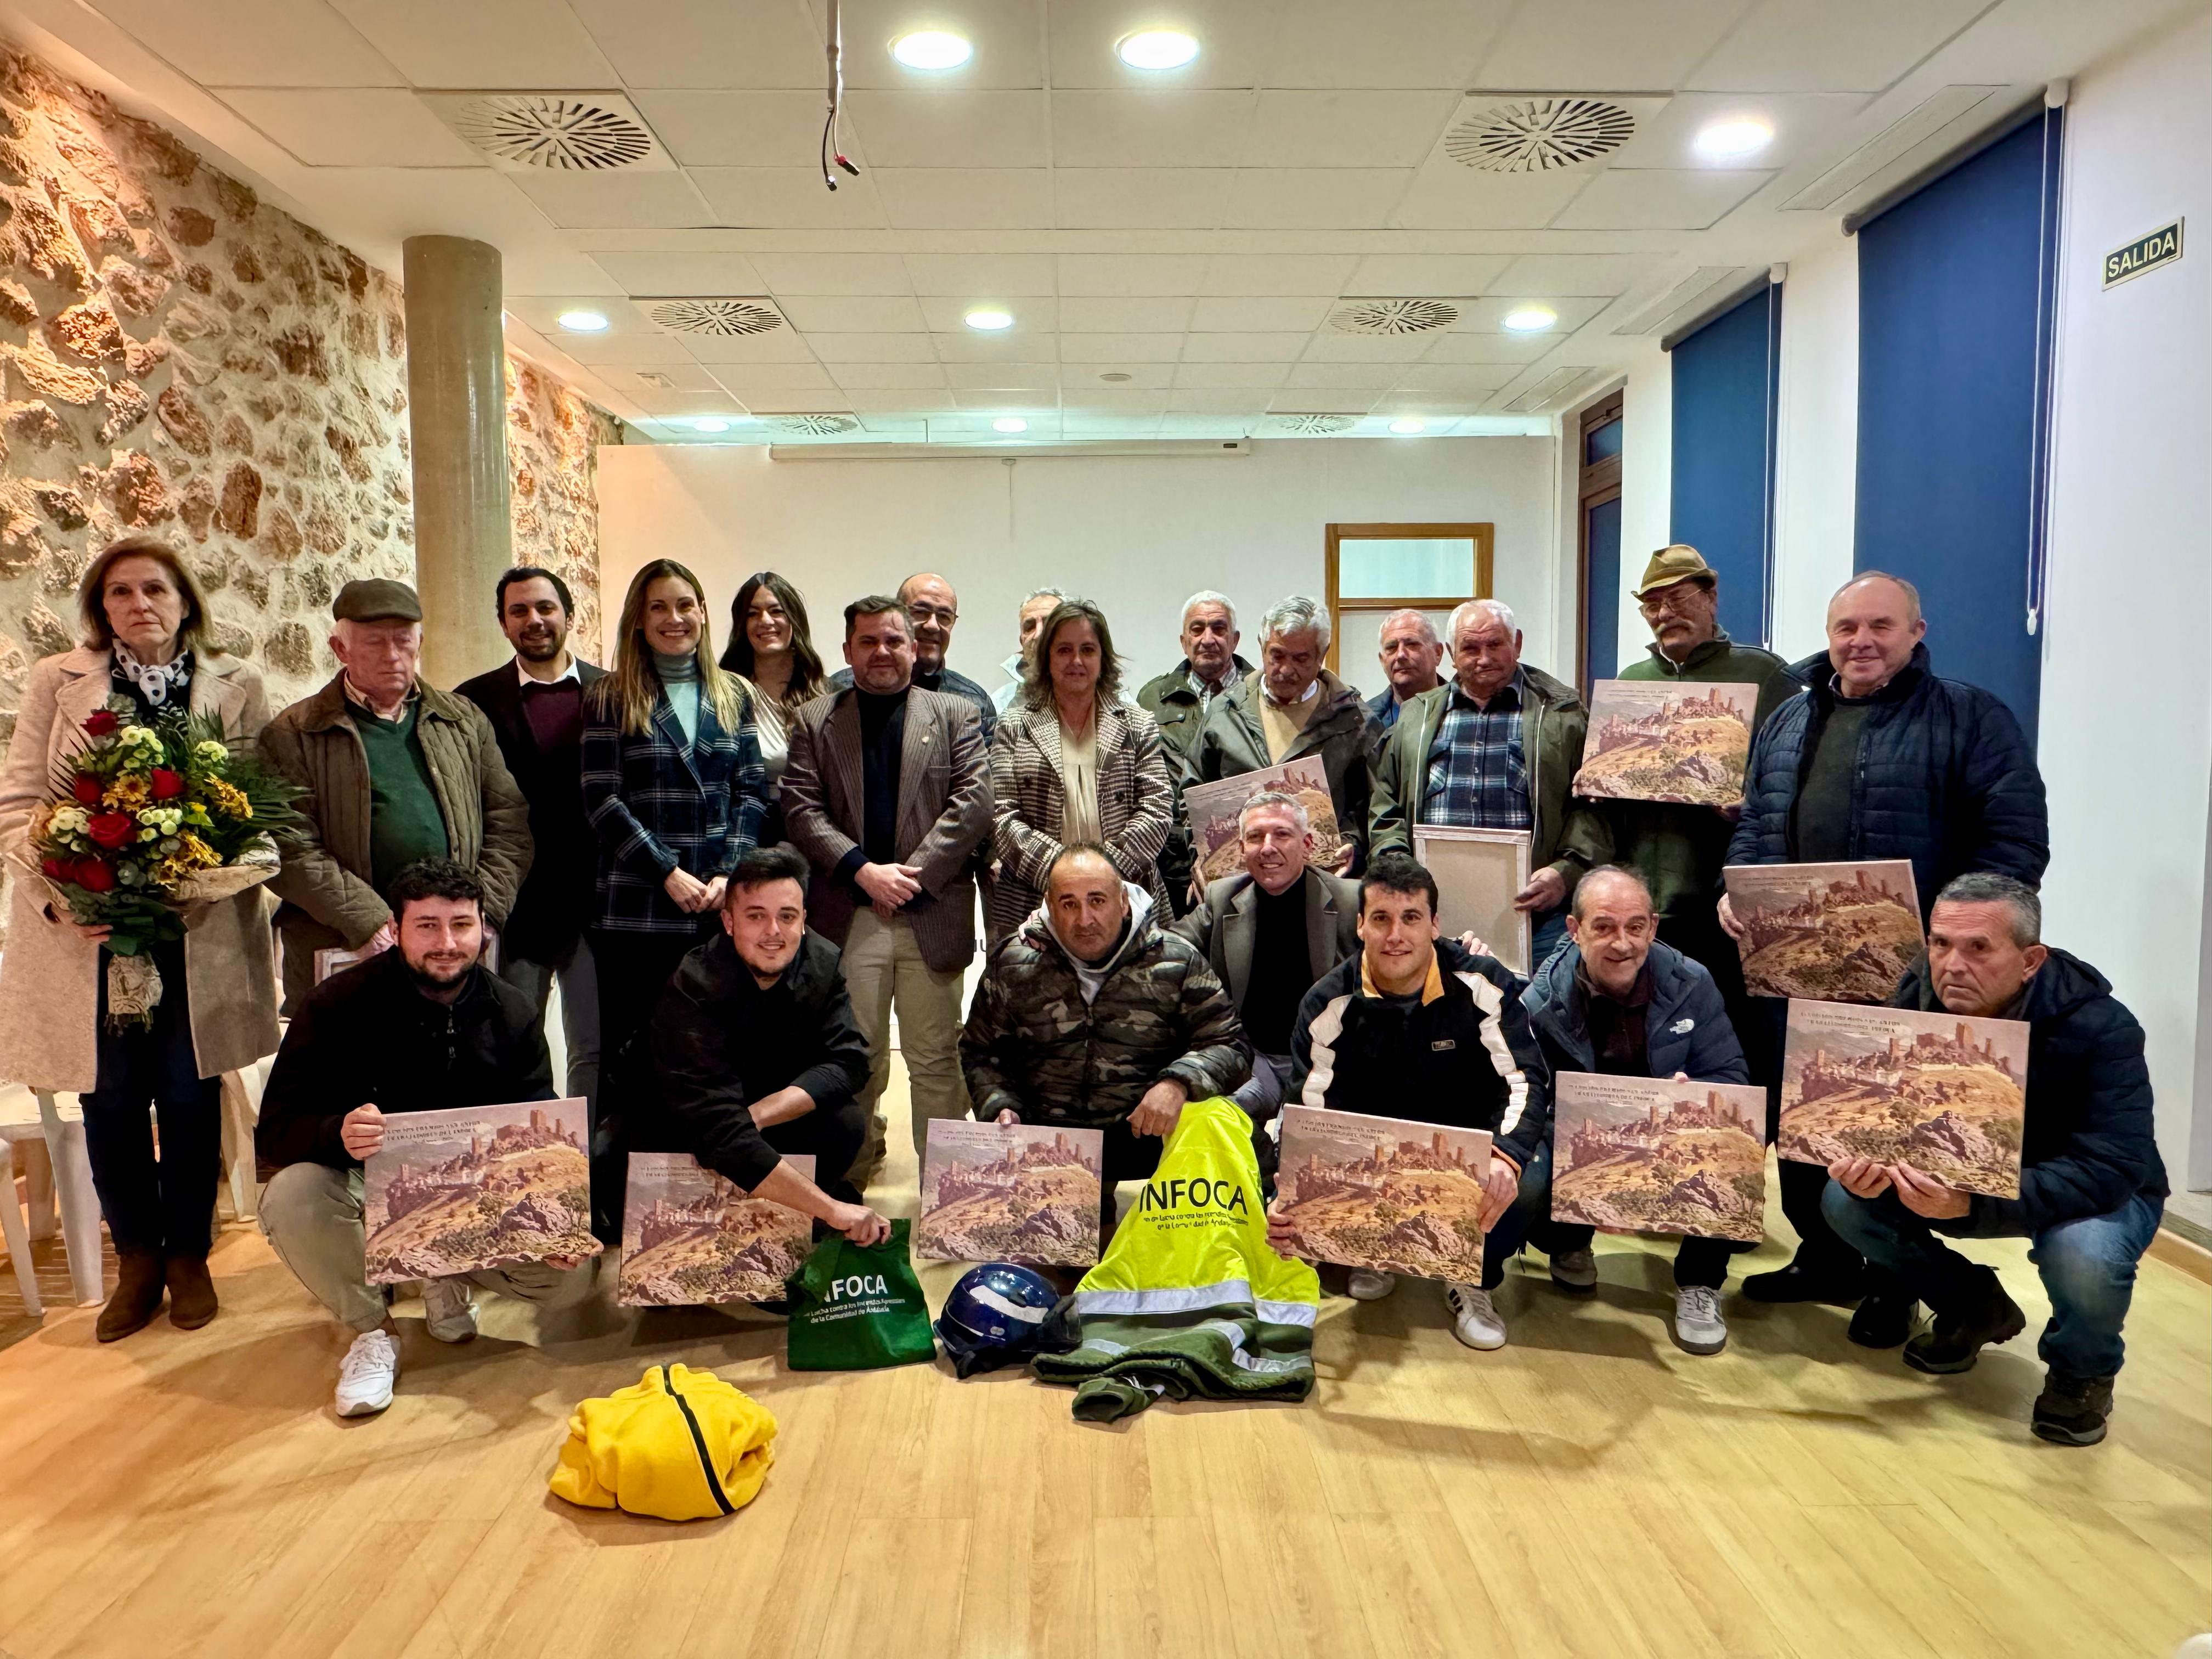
[1033, 1045]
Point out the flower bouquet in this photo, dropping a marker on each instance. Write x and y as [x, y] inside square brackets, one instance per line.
[149, 824]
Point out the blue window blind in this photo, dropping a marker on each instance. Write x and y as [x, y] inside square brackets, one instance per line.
[1726, 378]
[1953, 354]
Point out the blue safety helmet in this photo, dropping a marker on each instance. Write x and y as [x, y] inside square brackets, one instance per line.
[992, 1316]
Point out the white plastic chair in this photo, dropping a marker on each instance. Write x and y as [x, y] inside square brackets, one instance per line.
[63, 1169]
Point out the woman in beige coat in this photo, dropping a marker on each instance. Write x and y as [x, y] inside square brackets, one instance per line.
[145, 631]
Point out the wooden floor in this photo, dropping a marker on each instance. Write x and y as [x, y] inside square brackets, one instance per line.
[1588, 1491]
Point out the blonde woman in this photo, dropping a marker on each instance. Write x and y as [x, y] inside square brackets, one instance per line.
[674, 788]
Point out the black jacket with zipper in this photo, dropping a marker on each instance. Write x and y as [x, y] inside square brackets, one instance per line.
[369, 1037]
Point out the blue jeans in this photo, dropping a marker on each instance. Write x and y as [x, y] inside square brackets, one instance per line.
[1529, 1206]
[165, 1204]
[1547, 931]
[2088, 1269]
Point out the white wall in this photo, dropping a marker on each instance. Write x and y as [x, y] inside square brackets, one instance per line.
[1816, 451]
[1647, 487]
[2126, 744]
[1137, 534]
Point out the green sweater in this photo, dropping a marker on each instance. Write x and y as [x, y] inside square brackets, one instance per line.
[405, 821]
[1680, 850]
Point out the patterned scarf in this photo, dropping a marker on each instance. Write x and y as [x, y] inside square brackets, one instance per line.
[155, 681]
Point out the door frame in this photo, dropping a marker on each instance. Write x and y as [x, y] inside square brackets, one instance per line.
[1599, 482]
[1484, 536]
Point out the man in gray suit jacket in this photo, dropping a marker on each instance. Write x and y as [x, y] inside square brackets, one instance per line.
[1270, 932]
[887, 792]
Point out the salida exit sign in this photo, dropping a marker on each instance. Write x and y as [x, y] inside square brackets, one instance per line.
[2146, 254]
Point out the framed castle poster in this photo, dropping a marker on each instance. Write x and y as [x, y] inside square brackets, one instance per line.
[486, 1186]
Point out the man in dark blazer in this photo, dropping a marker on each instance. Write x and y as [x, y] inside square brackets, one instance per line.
[887, 793]
[536, 707]
[1270, 932]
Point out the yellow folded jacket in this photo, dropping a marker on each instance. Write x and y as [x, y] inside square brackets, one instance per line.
[681, 1444]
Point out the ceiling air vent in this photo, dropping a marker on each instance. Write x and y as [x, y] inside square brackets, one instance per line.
[1392, 316]
[1539, 135]
[574, 132]
[727, 318]
[811, 426]
[1313, 426]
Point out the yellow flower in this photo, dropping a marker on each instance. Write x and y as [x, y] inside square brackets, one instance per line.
[227, 797]
[128, 792]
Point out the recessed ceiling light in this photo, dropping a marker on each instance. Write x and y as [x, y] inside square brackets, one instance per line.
[1010, 423]
[583, 322]
[1530, 320]
[1157, 49]
[709, 424]
[932, 49]
[1722, 139]
[989, 320]
[1409, 426]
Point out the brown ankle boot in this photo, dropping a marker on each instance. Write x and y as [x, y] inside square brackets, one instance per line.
[192, 1293]
[138, 1296]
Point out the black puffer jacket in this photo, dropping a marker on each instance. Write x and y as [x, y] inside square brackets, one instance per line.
[2090, 1143]
[1945, 778]
[368, 1037]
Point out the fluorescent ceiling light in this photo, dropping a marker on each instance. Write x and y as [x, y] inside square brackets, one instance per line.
[583, 322]
[989, 320]
[1530, 320]
[932, 49]
[709, 424]
[1010, 423]
[1157, 49]
[1409, 426]
[1724, 140]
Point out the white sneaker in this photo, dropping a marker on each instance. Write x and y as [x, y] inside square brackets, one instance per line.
[1575, 1270]
[1698, 1326]
[1475, 1321]
[449, 1313]
[365, 1376]
[1365, 1286]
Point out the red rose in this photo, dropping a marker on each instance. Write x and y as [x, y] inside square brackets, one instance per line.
[56, 869]
[86, 789]
[167, 785]
[93, 876]
[100, 722]
[112, 830]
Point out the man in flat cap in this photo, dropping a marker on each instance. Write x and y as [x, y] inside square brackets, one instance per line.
[395, 771]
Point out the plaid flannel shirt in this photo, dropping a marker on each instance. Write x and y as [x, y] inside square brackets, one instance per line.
[1478, 776]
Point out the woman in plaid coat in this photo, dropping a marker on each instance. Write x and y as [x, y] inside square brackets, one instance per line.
[1071, 762]
[675, 790]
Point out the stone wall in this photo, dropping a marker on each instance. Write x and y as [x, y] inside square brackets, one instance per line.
[179, 357]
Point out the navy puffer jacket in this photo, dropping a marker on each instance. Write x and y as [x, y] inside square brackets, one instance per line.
[1945, 779]
[1685, 1025]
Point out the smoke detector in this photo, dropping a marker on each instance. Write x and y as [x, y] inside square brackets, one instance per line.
[1313, 426]
[1392, 316]
[570, 132]
[811, 426]
[1538, 135]
[725, 318]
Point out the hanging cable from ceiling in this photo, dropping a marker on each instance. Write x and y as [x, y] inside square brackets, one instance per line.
[833, 151]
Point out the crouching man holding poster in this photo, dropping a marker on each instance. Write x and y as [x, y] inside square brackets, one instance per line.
[1417, 1028]
[422, 1027]
[2092, 1185]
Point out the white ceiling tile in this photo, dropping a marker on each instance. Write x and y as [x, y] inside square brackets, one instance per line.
[1439, 409]
[1090, 316]
[798, 403]
[1014, 346]
[1606, 274]
[981, 276]
[543, 312]
[1658, 199]
[833, 273]
[736, 44]
[256, 43]
[1813, 45]
[679, 404]
[1131, 274]
[692, 377]
[1009, 400]
[1117, 400]
[884, 377]
[949, 316]
[1492, 347]
[856, 313]
[1624, 45]
[1441, 276]
[1408, 43]
[1445, 196]
[1345, 129]
[895, 411]
[1008, 44]
[1458, 377]
[1218, 376]
[741, 129]
[1259, 314]
[1233, 38]
[1133, 199]
[834, 349]
[974, 199]
[1315, 198]
[483, 43]
[1368, 348]
[1376, 377]
[952, 129]
[1183, 129]
[626, 201]
[1487, 316]
[779, 346]
[1326, 400]
[353, 127]
[1025, 377]
[1082, 377]
[1119, 348]
[789, 198]
[744, 380]
[1244, 348]
[1227, 405]
[1278, 274]
[1802, 122]
[688, 274]
[632, 349]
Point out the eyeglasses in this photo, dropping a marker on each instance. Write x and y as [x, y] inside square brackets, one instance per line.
[922, 613]
[1679, 596]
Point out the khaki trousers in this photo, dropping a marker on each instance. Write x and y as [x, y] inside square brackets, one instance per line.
[884, 970]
